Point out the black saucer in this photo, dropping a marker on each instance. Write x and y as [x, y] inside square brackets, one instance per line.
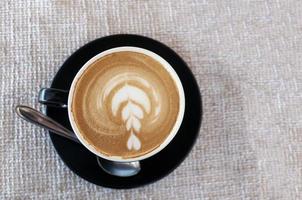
[84, 163]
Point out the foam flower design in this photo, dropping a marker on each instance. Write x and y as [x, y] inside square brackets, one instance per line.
[135, 103]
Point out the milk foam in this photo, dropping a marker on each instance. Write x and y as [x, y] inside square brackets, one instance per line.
[131, 102]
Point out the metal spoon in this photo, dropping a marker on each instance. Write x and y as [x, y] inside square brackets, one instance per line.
[122, 169]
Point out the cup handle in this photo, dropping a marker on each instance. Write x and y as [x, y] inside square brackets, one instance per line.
[53, 97]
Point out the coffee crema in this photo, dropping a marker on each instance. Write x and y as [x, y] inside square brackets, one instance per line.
[125, 104]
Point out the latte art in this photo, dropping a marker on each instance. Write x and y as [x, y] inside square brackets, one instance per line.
[130, 98]
[125, 104]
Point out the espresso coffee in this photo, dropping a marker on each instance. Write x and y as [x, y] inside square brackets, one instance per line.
[125, 104]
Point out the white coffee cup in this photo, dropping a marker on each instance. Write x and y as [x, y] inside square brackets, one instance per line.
[173, 131]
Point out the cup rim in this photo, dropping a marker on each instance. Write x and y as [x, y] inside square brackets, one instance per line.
[170, 70]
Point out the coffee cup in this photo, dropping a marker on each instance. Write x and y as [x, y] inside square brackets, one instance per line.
[125, 104]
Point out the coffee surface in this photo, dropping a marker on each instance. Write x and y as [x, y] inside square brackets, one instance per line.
[125, 104]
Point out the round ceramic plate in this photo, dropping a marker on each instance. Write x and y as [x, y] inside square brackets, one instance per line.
[82, 162]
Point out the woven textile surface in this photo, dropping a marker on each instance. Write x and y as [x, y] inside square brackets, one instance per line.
[245, 54]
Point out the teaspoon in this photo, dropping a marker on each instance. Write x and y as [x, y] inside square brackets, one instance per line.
[121, 169]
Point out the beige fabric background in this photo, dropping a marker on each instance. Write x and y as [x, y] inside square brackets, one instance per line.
[245, 54]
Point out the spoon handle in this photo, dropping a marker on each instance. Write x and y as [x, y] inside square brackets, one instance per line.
[36, 117]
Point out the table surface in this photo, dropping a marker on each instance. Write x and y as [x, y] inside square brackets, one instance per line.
[246, 56]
